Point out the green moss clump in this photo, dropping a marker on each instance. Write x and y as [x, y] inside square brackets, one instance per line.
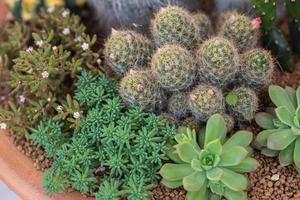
[174, 25]
[139, 89]
[257, 68]
[173, 67]
[126, 50]
[206, 100]
[218, 62]
[239, 29]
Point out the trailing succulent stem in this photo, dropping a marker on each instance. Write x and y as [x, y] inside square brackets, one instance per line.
[209, 170]
[282, 127]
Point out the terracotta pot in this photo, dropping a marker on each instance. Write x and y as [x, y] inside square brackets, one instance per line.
[18, 173]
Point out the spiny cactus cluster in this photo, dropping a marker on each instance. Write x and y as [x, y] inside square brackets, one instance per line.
[190, 71]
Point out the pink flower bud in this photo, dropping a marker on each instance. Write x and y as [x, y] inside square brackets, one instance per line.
[210, 92]
[140, 87]
[193, 97]
[256, 23]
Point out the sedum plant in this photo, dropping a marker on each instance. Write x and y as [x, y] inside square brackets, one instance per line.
[214, 169]
[282, 128]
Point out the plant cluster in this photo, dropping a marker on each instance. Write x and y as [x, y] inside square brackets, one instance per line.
[188, 70]
[273, 38]
[213, 167]
[282, 126]
[38, 60]
[119, 149]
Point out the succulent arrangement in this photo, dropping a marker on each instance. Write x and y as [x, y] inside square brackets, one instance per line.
[187, 60]
[115, 151]
[273, 38]
[281, 124]
[214, 167]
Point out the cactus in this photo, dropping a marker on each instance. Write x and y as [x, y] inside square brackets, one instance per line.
[178, 105]
[204, 25]
[242, 103]
[191, 123]
[240, 30]
[204, 101]
[174, 25]
[173, 67]
[138, 89]
[293, 8]
[169, 118]
[126, 50]
[266, 10]
[257, 68]
[218, 61]
[229, 121]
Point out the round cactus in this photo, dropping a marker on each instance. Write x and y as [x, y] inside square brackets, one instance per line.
[204, 25]
[169, 118]
[229, 121]
[191, 122]
[138, 89]
[173, 67]
[218, 61]
[257, 68]
[178, 105]
[174, 25]
[240, 30]
[204, 101]
[242, 103]
[126, 50]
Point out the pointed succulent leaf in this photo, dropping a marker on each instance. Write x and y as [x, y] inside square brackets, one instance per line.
[297, 153]
[280, 98]
[233, 180]
[214, 147]
[194, 181]
[240, 138]
[186, 152]
[234, 195]
[171, 184]
[196, 165]
[265, 120]
[269, 152]
[215, 129]
[262, 137]
[281, 139]
[175, 172]
[286, 155]
[200, 194]
[233, 155]
[247, 165]
[285, 116]
[214, 174]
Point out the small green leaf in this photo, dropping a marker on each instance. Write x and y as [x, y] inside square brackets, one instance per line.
[233, 195]
[296, 131]
[200, 194]
[281, 139]
[269, 152]
[280, 98]
[286, 155]
[214, 174]
[215, 129]
[214, 147]
[175, 172]
[262, 137]
[194, 181]
[233, 155]
[172, 154]
[285, 116]
[265, 120]
[196, 165]
[292, 94]
[186, 152]
[231, 99]
[297, 153]
[171, 184]
[240, 138]
[234, 181]
[247, 165]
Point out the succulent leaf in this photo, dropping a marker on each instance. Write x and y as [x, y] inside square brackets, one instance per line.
[265, 120]
[214, 174]
[280, 139]
[200, 194]
[240, 182]
[280, 98]
[241, 138]
[233, 155]
[247, 165]
[286, 155]
[269, 152]
[285, 116]
[194, 181]
[186, 152]
[233, 195]
[215, 129]
[296, 155]
[171, 184]
[175, 172]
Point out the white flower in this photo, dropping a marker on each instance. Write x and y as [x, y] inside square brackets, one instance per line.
[85, 46]
[54, 48]
[50, 9]
[29, 49]
[78, 39]
[65, 13]
[45, 74]
[3, 126]
[66, 31]
[59, 108]
[76, 115]
[39, 43]
[22, 98]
